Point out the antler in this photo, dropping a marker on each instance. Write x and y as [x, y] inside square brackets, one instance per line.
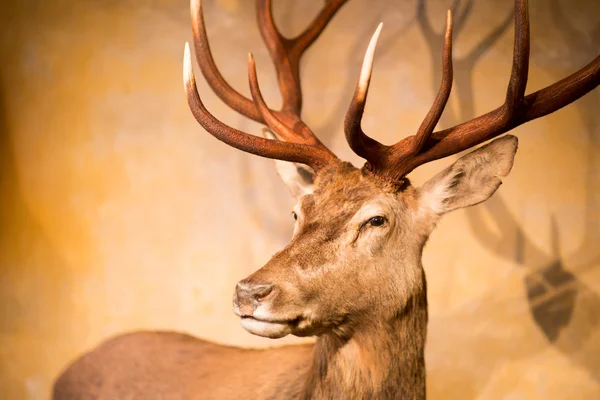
[300, 144]
[394, 162]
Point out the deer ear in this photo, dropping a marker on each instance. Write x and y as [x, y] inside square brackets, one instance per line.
[299, 178]
[472, 179]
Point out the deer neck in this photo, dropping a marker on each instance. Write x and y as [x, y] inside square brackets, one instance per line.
[381, 359]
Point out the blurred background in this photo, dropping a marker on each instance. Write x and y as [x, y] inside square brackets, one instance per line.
[118, 212]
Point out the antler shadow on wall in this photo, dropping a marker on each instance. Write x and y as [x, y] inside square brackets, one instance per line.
[552, 291]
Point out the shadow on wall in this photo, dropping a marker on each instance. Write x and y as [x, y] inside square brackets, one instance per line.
[552, 291]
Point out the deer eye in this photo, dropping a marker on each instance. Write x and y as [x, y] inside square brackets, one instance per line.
[376, 221]
[295, 216]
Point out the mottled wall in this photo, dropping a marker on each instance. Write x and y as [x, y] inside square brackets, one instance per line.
[118, 212]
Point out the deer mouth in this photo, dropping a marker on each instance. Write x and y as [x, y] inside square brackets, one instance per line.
[260, 321]
[270, 329]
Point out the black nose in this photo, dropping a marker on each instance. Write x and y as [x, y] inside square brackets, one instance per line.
[252, 291]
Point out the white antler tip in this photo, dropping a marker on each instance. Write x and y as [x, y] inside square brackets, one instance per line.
[367, 66]
[188, 74]
[195, 6]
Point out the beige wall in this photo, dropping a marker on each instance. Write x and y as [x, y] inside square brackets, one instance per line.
[118, 212]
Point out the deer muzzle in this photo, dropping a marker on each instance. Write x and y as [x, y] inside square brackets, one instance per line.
[251, 303]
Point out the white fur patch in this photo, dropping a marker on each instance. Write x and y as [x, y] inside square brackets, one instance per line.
[289, 172]
[273, 330]
[433, 200]
[263, 312]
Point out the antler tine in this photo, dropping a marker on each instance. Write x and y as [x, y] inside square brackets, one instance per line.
[211, 73]
[283, 131]
[288, 76]
[314, 156]
[286, 52]
[437, 108]
[364, 146]
[312, 32]
[276, 125]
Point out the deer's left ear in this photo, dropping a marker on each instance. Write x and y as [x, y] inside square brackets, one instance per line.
[298, 178]
[470, 180]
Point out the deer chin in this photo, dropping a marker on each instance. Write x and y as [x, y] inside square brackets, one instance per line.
[273, 330]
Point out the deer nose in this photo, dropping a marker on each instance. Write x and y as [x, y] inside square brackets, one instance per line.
[252, 291]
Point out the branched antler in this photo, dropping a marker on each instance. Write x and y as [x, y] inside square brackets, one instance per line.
[394, 162]
[299, 142]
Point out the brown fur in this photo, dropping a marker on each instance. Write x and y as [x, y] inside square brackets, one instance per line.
[359, 287]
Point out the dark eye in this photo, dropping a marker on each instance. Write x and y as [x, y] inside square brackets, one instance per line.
[376, 221]
[295, 216]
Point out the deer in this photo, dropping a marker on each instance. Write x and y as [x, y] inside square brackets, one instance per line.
[351, 275]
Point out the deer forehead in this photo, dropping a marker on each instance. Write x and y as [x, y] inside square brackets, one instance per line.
[350, 198]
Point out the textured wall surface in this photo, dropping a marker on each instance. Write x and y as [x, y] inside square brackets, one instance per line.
[118, 212]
